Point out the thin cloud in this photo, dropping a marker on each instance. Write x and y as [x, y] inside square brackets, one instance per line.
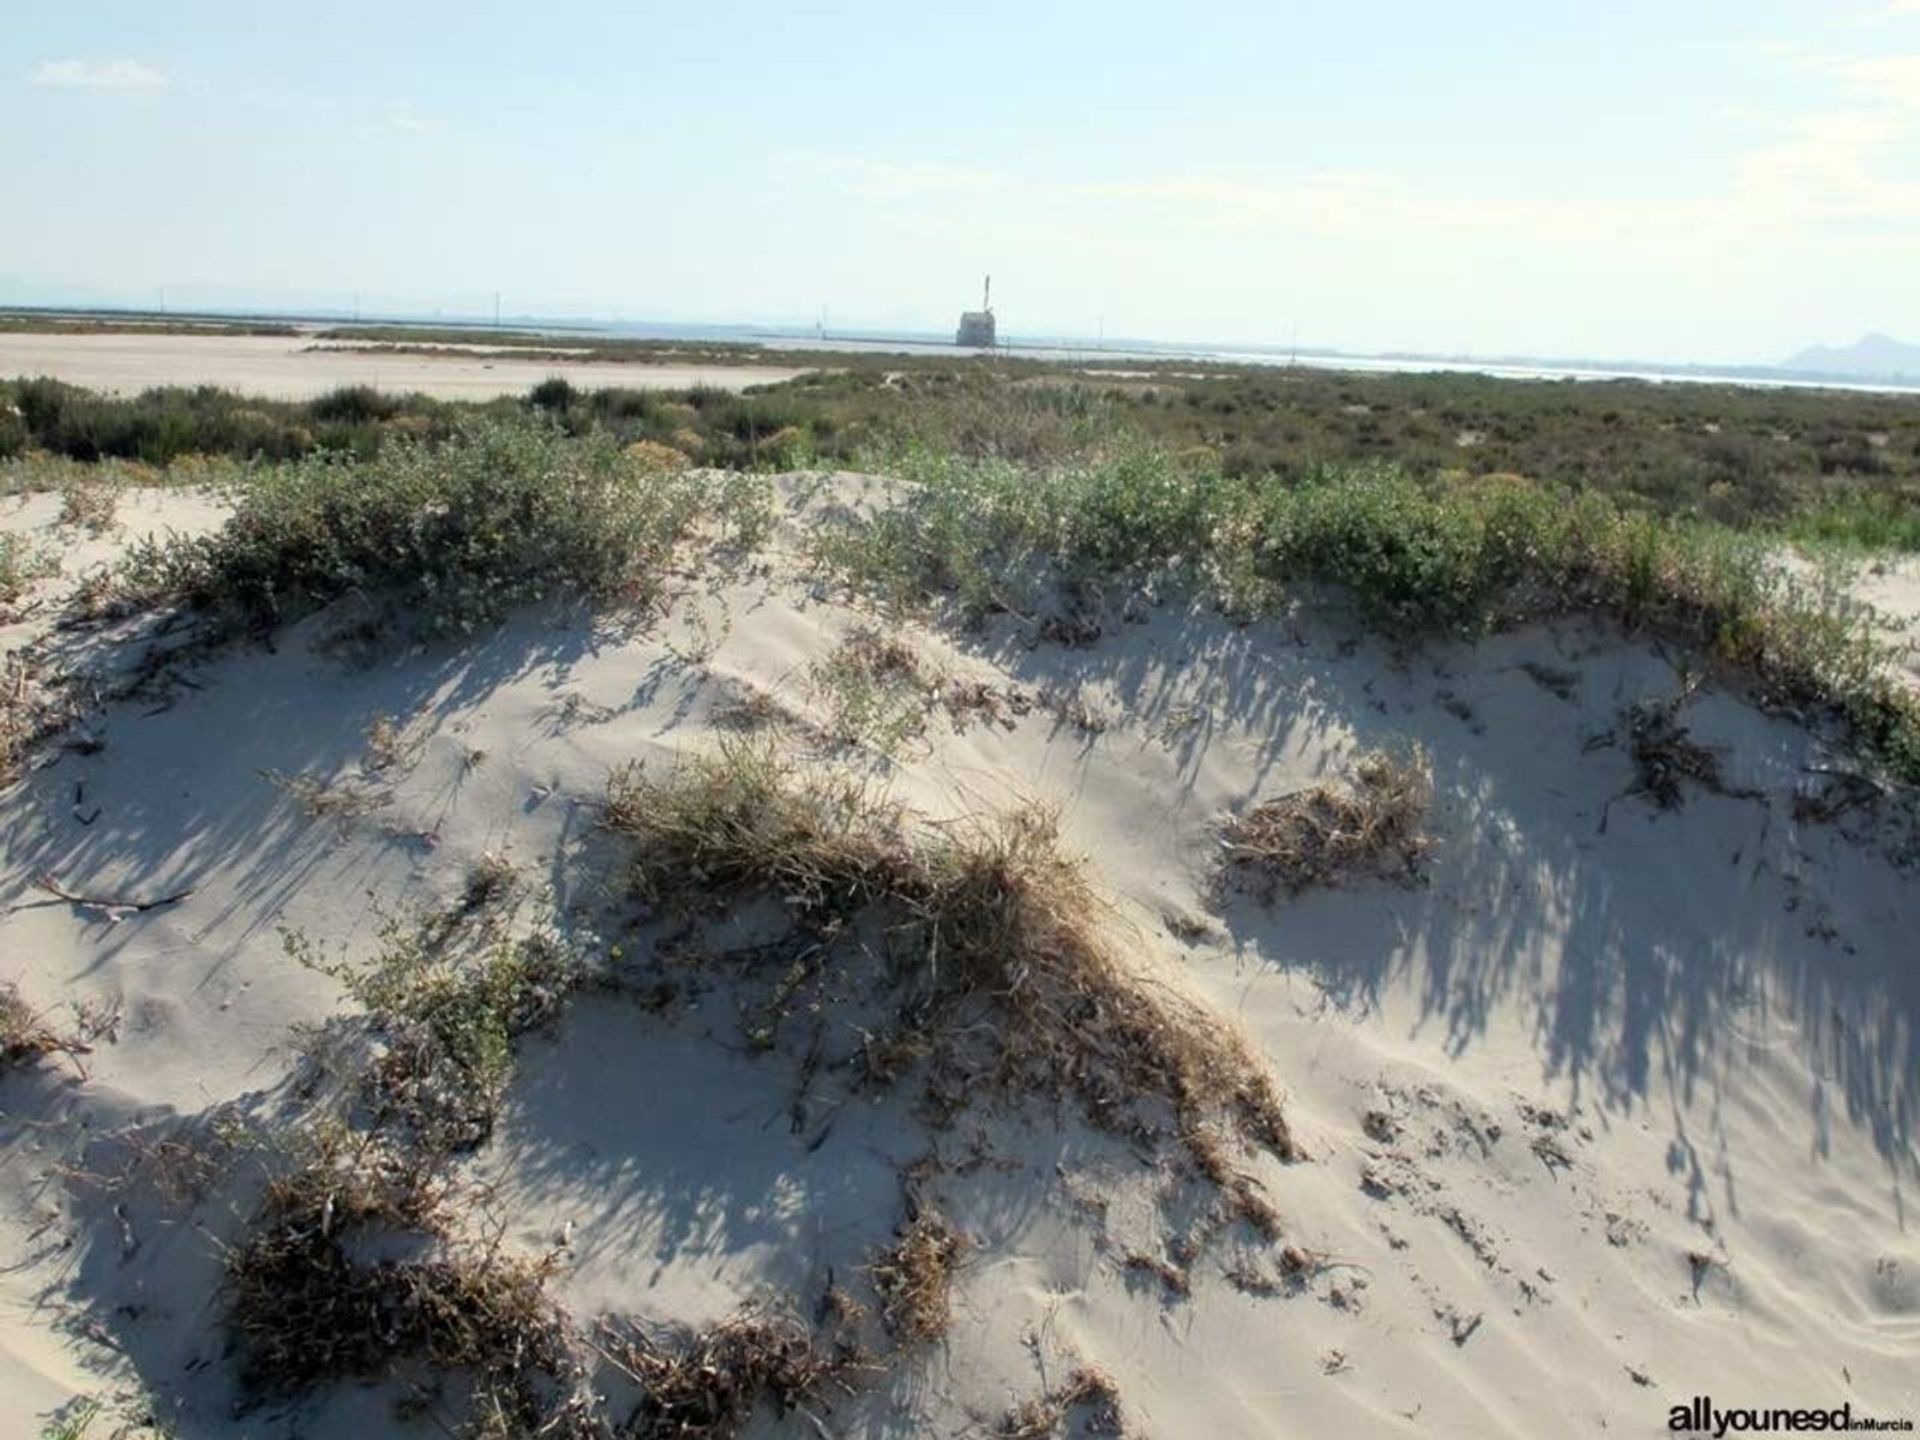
[98, 75]
[877, 180]
[402, 116]
[1892, 79]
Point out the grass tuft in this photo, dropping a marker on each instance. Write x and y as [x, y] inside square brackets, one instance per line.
[983, 916]
[305, 1308]
[1088, 1399]
[709, 1384]
[1329, 834]
[875, 689]
[24, 1036]
[914, 1278]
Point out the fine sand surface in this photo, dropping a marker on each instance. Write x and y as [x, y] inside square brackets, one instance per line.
[1892, 587]
[1614, 1109]
[284, 367]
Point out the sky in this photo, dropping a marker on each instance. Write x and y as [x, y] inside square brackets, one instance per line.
[1674, 180]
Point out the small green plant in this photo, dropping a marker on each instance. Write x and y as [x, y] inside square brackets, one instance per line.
[21, 563]
[449, 1019]
[1870, 520]
[74, 1420]
[875, 690]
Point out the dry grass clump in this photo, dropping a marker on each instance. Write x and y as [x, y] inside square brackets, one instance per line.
[1665, 754]
[392, 742]
[914, 1278]
[305, 1310]
[88, 499]
[492, 878]
[993, 952]
[1088, 1402]
[345, 798]
[16, 716]
[315, 1292]
[709, 1384]
[306, 1305]
[1330, 833]
[24, 1036]
[653, 456]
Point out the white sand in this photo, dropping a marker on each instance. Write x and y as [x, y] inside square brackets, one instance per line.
[1650, 1089]
[290, 367]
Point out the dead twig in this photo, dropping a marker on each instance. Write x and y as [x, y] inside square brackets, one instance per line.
[45, 881]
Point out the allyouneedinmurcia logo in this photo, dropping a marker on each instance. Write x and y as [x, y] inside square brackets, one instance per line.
[1700, 1416]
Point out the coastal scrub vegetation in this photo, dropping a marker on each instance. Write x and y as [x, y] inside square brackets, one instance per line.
[451, 534]
[168, 423]
[1011, 481]
[1412, 556]
[1829, 464]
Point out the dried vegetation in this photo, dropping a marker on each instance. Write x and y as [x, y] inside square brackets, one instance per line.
[1330, 834]
[991, 944]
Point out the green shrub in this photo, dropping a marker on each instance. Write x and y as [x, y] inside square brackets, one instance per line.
[554, 393]
[452, 534]
[1454, 558]
[1867, 520]
[353, 405]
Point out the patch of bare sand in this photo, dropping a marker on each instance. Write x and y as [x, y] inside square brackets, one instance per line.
[290, 368]
[1614, 1108]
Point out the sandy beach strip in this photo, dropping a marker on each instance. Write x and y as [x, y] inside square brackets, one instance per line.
[286, 368]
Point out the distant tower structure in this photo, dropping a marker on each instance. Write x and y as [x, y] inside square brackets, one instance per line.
[976, 326]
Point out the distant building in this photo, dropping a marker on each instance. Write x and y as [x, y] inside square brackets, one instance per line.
[976, 326]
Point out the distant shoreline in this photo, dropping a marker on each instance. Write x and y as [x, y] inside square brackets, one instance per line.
[1064, 349]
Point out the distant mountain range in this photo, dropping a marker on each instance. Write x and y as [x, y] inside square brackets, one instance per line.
[1875, 355]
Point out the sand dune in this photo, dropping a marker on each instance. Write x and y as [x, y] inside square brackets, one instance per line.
[294, 368]
[1615, 1107]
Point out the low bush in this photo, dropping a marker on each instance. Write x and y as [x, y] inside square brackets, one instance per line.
[452, 534]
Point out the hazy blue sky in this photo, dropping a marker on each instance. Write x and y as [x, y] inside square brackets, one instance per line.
[1674, 179]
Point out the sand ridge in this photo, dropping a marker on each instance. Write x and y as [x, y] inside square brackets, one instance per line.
[1613, 1108]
